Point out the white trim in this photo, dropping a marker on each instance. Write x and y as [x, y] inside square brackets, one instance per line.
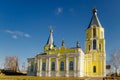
[74, 66]
[67, 66]
[56, 66]
[79, 65]
[40, 67]
[49, 67]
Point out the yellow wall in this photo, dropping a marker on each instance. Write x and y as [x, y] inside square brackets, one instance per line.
[94, 57]
[91, 57]
[60, 50]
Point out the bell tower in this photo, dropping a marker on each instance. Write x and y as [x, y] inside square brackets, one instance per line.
[95, 35]
[95, 48]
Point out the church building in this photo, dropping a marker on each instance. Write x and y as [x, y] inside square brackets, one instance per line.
[66, 61]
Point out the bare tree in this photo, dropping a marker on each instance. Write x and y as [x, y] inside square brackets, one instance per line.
[115, 60]
[11, 63]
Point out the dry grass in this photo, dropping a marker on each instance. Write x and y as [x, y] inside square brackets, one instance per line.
[3, 77]
[37, 78]
[112, 78]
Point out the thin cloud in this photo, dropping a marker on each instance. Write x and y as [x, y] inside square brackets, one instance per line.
[27, 35]
[59, 10]
[14, 37]
[17, 34]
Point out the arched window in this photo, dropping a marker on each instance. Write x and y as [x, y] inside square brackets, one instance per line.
[62, 66]
[32, 66]
[94, 44]
[94, 32]
[100, 47]
[53, 66]
[71, 65]
[94, 69]
[89, 47]
[43, 66]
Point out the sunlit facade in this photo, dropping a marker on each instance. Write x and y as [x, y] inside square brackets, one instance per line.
[65, 61]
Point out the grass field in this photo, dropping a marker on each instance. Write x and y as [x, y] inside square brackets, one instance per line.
[3, 77]
[37, 78]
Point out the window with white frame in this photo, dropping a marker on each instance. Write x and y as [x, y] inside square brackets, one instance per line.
[53, 66]
[71, 65]
[94, 44]
[43, 66]
[62, 66]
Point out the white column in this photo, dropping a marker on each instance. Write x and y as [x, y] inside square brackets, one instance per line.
[85, 66]
[34, 68]
[79, 66]
[49, 67]
[67, 67]
[56, 66]
[74, 66]
[40, 67]
[46, 71]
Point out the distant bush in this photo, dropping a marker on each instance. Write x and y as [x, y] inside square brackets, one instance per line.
[11, 72]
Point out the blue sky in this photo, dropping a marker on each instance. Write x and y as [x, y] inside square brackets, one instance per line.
[25, 24]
